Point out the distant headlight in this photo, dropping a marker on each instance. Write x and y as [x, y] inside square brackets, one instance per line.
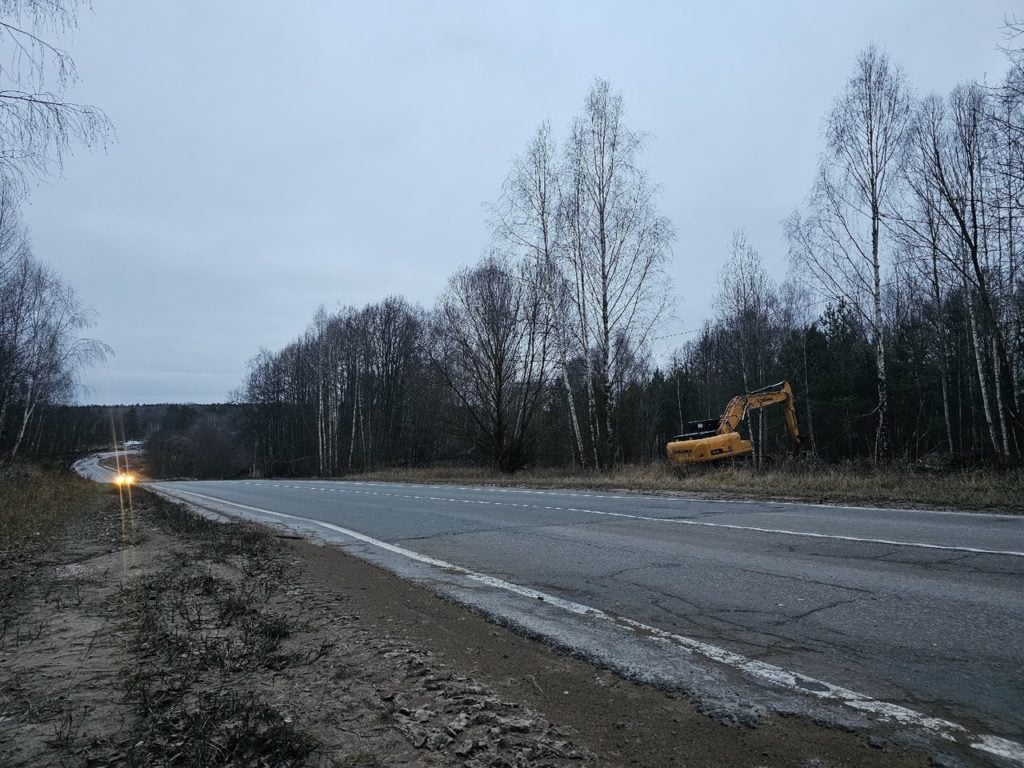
[124, 478]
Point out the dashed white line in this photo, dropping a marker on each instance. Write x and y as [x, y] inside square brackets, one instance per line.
[685, 498]
[683, 521]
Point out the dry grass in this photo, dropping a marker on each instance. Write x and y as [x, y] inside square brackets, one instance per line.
[203, 636]
[975, 489]
[112, 658]
[37, 505]
[53, 527]
[42, 514]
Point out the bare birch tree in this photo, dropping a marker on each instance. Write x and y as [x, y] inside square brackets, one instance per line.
[38, 124]
[954, 162]
[615, 246]
[931, 228]
[746, 303]
[839, 244]
[525, 222]
[43, 351]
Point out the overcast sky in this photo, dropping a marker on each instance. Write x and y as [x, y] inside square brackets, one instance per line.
[269, 161]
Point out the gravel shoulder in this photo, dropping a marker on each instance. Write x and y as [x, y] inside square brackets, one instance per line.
[156, 637]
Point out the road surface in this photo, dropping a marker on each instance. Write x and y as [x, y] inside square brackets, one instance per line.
[93, 467]
[914, 611]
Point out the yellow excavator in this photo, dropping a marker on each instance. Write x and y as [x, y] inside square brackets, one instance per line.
[705, 441]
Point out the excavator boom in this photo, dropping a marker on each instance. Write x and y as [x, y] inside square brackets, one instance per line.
[701, 445]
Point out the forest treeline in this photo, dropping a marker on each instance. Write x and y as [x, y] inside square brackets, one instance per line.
[899, 323]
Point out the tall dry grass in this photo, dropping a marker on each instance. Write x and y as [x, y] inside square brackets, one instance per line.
[37, 505]
[46, 517]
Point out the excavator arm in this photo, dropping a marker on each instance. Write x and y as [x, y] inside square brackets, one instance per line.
[777, 393]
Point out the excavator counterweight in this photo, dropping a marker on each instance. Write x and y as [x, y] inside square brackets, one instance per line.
[700, 444]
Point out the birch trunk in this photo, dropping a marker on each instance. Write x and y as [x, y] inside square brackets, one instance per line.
[980, 367]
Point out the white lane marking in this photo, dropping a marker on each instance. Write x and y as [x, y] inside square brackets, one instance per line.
[760, 670]
[696, 523]
[809, 535]
[995, 745]
[684, 499]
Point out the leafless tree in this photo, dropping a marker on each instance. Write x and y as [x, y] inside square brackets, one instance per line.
[911, 244]
[746, 304]
[339, 397]
[796, 319]
[42, 351]
[525, 222]
[491, 344]
[921, 231]
[955, 164]
[390, 347]
[615, 243]
[38, 124]
[41, 318]
[839, 244]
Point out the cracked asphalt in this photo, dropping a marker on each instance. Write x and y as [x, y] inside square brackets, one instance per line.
[922, 609]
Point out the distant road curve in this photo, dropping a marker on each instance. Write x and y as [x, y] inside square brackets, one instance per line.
[91, 467]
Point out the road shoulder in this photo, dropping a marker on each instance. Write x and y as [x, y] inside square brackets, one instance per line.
[622, 722]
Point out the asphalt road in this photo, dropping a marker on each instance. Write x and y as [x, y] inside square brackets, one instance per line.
[922, 609]
[92, 468]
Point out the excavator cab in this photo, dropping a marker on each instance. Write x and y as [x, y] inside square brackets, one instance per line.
[698, 429]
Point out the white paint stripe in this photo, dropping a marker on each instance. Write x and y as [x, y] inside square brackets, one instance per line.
[807, 534]
[694, 499]
[995, 745]
[701, 524]
[766, 673]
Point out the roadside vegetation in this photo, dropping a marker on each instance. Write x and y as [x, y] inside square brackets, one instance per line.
[203, 637]
[50, 523]
[43, 513]
[549, 361]
[136, 635]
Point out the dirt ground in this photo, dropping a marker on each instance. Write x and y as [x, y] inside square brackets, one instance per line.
[156, 637]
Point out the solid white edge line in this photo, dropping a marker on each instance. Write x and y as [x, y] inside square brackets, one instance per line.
[767, 673]
[809, 534]
[996, 745]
